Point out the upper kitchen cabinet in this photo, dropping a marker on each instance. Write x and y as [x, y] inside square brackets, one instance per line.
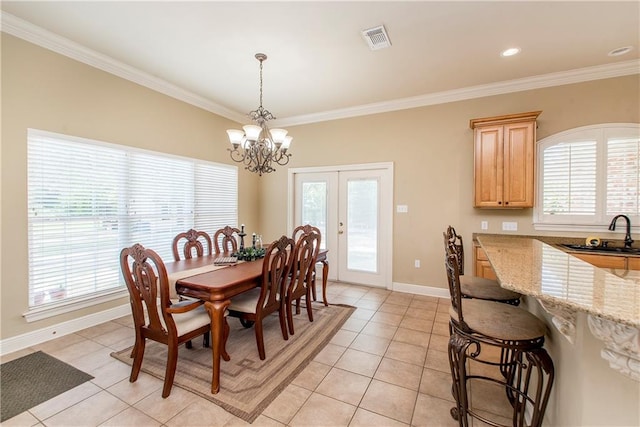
[504, 164]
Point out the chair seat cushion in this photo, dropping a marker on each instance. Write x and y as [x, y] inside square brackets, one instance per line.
[191, 320]
[246, 302]
[500, 321]
[487, 289]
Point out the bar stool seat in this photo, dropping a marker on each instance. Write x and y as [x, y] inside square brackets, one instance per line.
[500, 321]
[487, 289]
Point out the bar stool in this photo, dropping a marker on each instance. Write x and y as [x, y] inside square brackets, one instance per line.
[478, 287]
[475, 327]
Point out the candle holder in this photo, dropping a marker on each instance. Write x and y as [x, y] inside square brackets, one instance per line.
[242, 234]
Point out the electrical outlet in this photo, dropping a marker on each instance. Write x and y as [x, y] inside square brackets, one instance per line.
[509, 226]
[417, 263]
[402, 209]
[484, 225]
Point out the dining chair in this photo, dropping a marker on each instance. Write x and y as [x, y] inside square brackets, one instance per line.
[478, 326]
[260, 302]
[225, 241]
[155, 317]
[478, 287]
[299, 232]
[193, 240]
[302, 280]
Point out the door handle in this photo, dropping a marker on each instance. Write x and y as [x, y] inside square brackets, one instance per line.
[340, 232]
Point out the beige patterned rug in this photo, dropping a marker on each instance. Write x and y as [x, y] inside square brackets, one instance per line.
[247, 384]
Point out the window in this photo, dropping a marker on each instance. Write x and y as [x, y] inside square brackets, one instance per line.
[588, 175]
[87, 200]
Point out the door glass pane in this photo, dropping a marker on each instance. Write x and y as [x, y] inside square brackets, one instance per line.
[314, 207]
[362, 225]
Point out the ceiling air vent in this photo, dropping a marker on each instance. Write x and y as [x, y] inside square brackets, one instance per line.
[376, 37]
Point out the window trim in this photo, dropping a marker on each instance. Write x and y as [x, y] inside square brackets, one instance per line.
[600, 224]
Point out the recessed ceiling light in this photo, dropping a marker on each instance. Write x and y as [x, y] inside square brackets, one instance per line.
[620, 51]
[511, 51]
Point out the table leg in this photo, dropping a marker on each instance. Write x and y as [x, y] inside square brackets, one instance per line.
[216, 311]
[325, 274]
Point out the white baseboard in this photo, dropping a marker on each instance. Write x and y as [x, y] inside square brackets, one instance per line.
[39, 336]
[421, 290]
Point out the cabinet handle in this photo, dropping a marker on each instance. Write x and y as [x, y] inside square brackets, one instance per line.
[506, 203]
[499, 203]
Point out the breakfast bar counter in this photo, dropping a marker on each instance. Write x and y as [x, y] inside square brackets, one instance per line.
[531, 267]
[568, 289]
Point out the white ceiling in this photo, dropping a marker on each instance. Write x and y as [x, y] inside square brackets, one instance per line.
[319, 65]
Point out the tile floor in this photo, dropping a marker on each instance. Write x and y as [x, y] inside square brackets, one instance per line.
[387, 366]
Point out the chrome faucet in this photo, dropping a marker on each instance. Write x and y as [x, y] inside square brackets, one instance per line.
[627, 237]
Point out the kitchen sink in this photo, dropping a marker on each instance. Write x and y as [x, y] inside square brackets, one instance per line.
[602, 249]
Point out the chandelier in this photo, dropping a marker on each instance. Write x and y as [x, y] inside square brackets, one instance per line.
[257, 146]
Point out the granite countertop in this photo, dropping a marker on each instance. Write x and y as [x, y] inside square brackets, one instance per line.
[527, 265]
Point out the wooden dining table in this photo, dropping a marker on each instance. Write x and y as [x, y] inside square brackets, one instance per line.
[217, 287]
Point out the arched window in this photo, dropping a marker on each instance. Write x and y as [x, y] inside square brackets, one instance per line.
[587, 175]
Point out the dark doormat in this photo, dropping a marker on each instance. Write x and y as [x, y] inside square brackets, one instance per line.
[32, 379]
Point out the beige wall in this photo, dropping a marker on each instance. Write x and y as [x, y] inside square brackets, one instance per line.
[44, 90]
[432, 152]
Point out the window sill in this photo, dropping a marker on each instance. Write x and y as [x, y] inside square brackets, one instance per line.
[55, 309]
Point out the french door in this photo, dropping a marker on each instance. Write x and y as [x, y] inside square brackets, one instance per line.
[352, 207]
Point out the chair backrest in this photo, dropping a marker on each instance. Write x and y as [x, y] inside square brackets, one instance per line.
[305, 255]
[146, 278]
[275, 270]
[453, 277]
[456, 241]
[225, 241]
[303, 230]
[195, 240]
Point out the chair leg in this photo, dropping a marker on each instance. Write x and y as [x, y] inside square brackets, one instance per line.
[298, 306]
[206, 339]
[289, 308]
[283, 323]
[457, 349]
[309, 307]
[138, 349]
[260, 339]
[313, 287]
[170, 372]
[189, 345]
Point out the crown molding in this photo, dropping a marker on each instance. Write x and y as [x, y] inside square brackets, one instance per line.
[48, 40]
[508, 86]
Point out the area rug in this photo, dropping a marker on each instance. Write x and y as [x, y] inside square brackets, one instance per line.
[35, 378]
[247, 384]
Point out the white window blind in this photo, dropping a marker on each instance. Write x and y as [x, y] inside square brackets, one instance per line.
[87, 200]
[588, 175]
[569, 179]
[623, 176]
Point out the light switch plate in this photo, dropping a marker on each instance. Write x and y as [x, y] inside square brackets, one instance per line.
[402, 209]
[509, 226]
[484, 225]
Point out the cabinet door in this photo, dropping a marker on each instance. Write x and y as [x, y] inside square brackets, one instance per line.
[482, 266]
[519, 165]
[488, 166]
[603, 261]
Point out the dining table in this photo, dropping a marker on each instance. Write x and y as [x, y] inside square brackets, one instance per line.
[202, 279]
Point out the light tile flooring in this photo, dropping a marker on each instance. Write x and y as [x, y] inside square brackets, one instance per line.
[387, 366]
